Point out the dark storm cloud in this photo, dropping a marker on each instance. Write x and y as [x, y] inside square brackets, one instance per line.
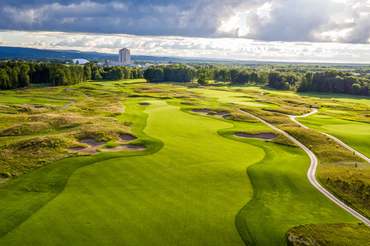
[188, 18]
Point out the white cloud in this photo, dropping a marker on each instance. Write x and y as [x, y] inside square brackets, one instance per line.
[269, 20]
[223, 48]
[301, 20]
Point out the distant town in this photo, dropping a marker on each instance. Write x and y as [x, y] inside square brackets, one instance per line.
[124, 59]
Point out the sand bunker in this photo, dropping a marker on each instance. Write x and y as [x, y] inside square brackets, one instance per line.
[207, 111]
[201, 110]
[264, 135]
[127, 137]
[92, 147]
[95, 146]
[92, 142]
[125, 147]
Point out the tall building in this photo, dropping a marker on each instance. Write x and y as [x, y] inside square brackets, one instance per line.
[124, 56]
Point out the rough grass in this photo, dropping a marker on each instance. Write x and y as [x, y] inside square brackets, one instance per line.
[188, 194]
[193, 191]
[329, 235]
[340, 171]
[280, 188]
[26, 194]
[67, 113]
[350, 180]
[354, 133]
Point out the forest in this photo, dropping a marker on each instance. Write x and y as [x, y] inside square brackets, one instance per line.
[18, 74]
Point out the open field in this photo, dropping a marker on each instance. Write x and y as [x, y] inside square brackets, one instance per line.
[190, 174]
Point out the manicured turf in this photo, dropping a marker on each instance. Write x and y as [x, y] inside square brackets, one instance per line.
[283, 198]
[186, 194]
[355, 134]
[196, 190]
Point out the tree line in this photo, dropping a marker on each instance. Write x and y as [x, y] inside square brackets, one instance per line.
[332, 81]
[170, 73]
[17, 74]
[22, 74]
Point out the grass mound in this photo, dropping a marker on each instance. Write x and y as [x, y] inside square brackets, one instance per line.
[21, 156]
[329, 235]
[24, 129]
[211, 111]
[38, 143]
[236, 116]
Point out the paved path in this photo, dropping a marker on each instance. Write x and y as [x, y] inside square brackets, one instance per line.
[311, 174]
[338, 141]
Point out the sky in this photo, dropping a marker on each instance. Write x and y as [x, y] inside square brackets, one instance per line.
[277, 30]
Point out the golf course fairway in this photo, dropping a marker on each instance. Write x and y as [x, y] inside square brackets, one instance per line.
[194, 191]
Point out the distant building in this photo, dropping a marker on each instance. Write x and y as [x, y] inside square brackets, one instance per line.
[124, 59]
[124, 56]
[80, 61]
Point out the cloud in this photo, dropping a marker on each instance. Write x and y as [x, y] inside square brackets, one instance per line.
[268, 20]
[221, 48]
[187, 18]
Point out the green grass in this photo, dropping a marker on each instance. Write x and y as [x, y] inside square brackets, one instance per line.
[196, 184]
[331, 235]
[355, 134]
[335, 163]
[21, 197]
[186, 194]
[283, 197]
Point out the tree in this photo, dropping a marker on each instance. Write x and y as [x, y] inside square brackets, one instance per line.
[154, 74]
[356, 88]
[4, 79]
[24, 77]
[277, 80]
[96, 74]
[87, 72]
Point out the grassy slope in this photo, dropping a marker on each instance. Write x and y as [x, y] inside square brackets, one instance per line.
[355, 134]
[332, 235]
[186, 194]
[283, 197]
[177, 198]
[287, 199]
[23, 196]
[192, 201]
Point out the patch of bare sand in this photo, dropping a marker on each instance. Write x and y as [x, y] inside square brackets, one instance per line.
[263, 135]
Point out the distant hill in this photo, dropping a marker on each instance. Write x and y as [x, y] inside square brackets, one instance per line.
[42, 54]
[7, 53]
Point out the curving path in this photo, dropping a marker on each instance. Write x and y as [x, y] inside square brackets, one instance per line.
[311, 174]
[338, 141]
